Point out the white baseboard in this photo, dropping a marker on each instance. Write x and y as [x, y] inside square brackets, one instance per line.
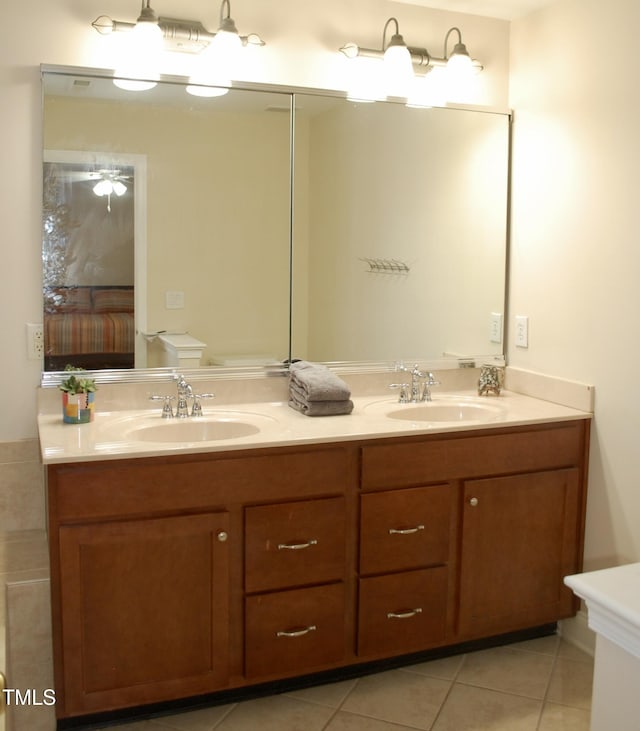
[576, 631]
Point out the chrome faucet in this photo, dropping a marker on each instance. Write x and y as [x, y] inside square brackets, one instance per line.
[185, 392]
[420, 385]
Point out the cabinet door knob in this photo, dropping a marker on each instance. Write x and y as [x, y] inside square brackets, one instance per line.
[296, 632]
[473, 501]
[222, 536]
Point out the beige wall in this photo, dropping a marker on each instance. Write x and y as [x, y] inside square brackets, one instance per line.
[575, 246]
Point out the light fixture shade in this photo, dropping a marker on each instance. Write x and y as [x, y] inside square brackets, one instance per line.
[218, 61]
[398, 69]
[459, 61]
[119, 188]
[103, 187]
[140, 54]
[212, 75]
[226, 42]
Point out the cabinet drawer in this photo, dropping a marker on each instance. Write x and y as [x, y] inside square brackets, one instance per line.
[90, 490]
[404, 529]
[294, 544]
[402, 612]
[294, 631]
[550, 446]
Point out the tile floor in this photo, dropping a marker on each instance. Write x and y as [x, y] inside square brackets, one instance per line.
[538, 685]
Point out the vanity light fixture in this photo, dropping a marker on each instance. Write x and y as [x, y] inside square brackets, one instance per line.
[176, 34]
[397, 61]
[458, 63]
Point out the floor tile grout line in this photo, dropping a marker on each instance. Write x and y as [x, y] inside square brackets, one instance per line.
[339, 706]
[548, 686]
[225, 716]
[452, 684]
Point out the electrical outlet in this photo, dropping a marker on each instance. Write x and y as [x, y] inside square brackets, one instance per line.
[35, 341]
[522, 331]
[495, 327]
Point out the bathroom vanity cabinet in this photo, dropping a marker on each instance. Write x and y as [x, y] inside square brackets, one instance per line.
[190, 574]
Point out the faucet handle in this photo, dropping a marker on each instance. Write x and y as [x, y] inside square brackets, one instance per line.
[167, 411]
[429, 380]
[404, 391]
[196, 409]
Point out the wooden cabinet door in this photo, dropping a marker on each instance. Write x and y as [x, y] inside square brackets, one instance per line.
[145, 610]
[519, 539]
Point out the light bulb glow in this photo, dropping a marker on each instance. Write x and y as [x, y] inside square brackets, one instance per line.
[103, 187]
[398, 70]
[363, 79]
[140, 57]
[216, 65]
[203, 90]
[226, 42]
[429, 90]
[133, 84]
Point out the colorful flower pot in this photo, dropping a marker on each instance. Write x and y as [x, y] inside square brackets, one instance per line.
[77, 408]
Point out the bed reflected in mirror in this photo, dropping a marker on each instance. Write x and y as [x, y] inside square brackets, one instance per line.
[88, 256]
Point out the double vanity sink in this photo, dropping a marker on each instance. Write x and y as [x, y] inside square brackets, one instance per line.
[221, 424]
[224, 426]
[193, 557]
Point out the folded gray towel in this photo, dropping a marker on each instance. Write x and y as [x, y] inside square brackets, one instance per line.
[315, 382]
[322, 408]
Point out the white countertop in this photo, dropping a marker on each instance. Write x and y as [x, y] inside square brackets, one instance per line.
[117, 434]
[612, 597]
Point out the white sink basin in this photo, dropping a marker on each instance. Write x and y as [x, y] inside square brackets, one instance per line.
[216, 427]
[441, 410]
[193, 431]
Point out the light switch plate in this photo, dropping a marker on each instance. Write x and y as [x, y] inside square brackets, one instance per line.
[495, 327]
[174, 300]
[522, 331]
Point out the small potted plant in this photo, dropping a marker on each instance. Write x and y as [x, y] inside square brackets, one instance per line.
[78, 396]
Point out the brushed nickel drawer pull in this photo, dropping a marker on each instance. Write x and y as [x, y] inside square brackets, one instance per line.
[296, 546]
[407, 614]
[405, 531]
[296, 632]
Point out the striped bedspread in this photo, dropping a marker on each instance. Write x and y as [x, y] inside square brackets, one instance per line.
[68, 334]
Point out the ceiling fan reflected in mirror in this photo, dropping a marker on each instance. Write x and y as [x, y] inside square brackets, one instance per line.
[106, 182]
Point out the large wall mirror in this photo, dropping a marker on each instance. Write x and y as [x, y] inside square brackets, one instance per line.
[266, 224]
